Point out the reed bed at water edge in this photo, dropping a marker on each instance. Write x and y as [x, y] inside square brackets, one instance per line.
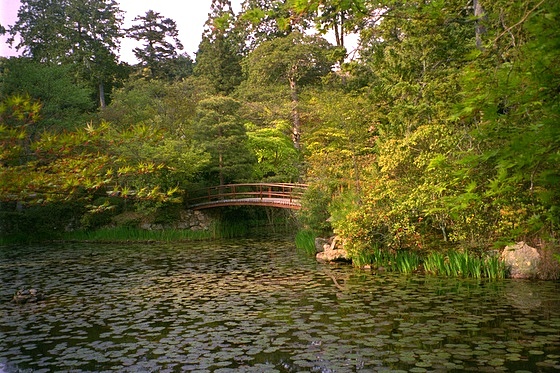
[450, 264]
[136, 234]
[401, 261]
[464, 264]
[305, 241]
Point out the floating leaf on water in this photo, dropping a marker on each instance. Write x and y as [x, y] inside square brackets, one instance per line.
[513, 356]
[424, 364]
[496, 362]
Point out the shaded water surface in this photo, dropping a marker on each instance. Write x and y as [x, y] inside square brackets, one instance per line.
[258, 306]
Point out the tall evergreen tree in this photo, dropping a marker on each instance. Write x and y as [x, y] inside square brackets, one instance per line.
[222, 134]
[160, 41]
[218, 60]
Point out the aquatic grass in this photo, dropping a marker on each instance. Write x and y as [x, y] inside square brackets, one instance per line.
[401, 261]
[463, 264]
[454, 263]
[494, 268]
[434, 263]
[407, 261]
[305, 241]
[19, 238]
[136, 234]
[362, 258]
[229, 229]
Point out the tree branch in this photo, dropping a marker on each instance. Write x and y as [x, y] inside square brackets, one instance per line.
[518, 23]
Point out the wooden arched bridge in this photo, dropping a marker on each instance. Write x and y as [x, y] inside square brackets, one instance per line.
[282, 195]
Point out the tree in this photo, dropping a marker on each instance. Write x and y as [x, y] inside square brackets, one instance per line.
[219, 53]
[84, 34]
[138, 162]
[463, 114]
[222, 134]
[340, 16]
[265, 20]
[178, 68]
[161, 42]
[65, 104]
[412, 56]
[276, 158]
[170, 106]
[511, 117]
[292, 61]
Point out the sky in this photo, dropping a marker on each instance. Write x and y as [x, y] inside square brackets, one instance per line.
[189, 15]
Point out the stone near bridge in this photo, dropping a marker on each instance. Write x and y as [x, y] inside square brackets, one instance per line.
[320, 243]
[333, 251]
[189, 219]
[521, 260]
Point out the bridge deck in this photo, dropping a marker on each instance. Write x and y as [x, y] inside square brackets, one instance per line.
[272, 202]
[281, 195]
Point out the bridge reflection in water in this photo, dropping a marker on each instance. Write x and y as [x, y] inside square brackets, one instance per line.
[282, 195]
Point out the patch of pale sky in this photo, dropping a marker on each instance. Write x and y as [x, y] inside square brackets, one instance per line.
[190, 16]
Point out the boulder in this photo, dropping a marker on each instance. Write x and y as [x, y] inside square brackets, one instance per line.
[320, 243]
[521, 260]
[333, 252]
[189, 219]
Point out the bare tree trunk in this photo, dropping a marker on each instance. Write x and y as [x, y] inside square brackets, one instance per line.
[479, 29]
[101, 94]
[296, 122]
[221, 167]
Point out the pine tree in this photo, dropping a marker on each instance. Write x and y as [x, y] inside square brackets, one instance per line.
[161, 42]
[218, 60]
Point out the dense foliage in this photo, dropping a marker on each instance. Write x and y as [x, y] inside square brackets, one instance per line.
[439, 131]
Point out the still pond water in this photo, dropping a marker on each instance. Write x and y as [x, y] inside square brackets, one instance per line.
[259, 306]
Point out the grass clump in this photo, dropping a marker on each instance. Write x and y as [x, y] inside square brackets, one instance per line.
[305, 241]
[401, 261]
[407, 261]
[136, 234]
[464, 264]
[451, 264]
[229, 229]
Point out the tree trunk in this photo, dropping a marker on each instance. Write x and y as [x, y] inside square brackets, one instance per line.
[221, 167]
[296, 123]
[101, 94]
[479, 29]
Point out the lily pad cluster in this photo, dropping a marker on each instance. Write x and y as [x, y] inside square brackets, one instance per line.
[256, 306]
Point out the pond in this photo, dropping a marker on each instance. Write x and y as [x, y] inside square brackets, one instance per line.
[259, 306]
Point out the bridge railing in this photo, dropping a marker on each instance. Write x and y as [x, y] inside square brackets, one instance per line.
[284, 191]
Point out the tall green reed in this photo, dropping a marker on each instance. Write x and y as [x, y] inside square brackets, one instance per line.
[229, 229]
[464, 264]
[400, 261]
[406, 261]
[136, 234]
[305, 241]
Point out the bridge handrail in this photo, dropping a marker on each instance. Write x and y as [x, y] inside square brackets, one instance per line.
[291, 191]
